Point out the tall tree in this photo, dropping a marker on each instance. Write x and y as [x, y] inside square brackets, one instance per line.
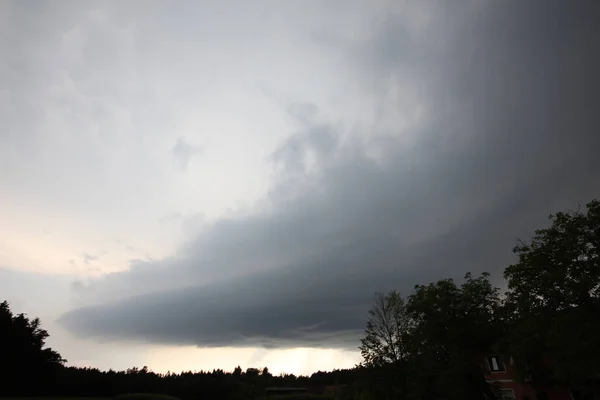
[554, 298]
[455, 327]
[387, 332]
[386, 348]
[560, 267]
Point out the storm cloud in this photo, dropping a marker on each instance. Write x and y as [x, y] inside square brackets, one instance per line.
[486, 120]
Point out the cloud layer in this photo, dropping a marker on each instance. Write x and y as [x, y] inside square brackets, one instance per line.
[485, 121]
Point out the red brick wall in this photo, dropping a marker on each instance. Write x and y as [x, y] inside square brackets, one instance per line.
[507, 380]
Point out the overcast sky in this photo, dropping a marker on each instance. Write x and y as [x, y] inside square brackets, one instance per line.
[198, 185]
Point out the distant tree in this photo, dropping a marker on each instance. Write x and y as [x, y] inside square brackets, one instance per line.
[265, 376]
[455, 327]
[23, 353]
[553, 299]
[253, 387]
[387, 332]
[252, 373]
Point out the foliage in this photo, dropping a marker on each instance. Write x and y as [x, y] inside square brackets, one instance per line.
[549, 321]
[384, 382]
[455, 326]
[554, 298]
[386, 349]
[387, 331]
[23, 351]
[432, 344]
[28, 368]
[560, 267]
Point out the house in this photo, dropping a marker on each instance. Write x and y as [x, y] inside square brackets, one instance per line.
[501, 371]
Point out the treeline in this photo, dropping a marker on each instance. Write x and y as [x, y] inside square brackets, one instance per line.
[430, 344]
[216, 384]
[28, 368]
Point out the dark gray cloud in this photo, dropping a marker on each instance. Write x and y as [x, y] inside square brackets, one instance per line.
[510, 134]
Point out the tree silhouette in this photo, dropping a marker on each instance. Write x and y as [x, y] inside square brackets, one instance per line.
[387, 331]
[560, 267]
[456, 325]
[554, 298]
[25, 359]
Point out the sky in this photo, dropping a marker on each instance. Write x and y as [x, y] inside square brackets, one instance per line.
[204, 184]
